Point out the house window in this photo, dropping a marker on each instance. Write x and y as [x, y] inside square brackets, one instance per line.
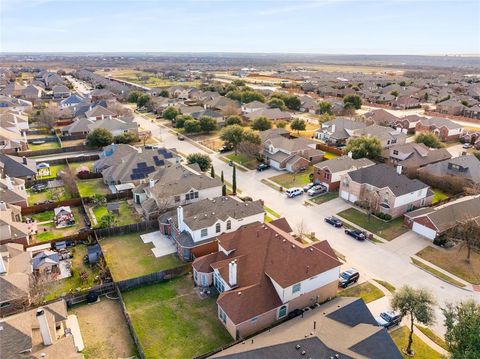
[204, 232]
[196, 194]
[395, 152]
[218, 283]
[5, 305]
[222, 315]
[195, 275]
[177, 198]
[254, 319]
[229, 225]
[217, 228]
[327, 175]
[296, 288]
[282, 312]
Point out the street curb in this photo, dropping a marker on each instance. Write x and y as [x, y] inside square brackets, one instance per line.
[238, 165]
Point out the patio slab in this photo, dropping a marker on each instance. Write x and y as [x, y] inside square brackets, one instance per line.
[162, 244]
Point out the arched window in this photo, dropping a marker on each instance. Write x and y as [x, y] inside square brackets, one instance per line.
[217, 228]
[229, 225]
[282, 311]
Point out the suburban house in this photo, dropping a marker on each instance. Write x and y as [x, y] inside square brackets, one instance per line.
[330, 172]
[408, 123]
[73, 100]
[290, 154]
[445, 129]
[79, 127]
[381, 117]
[222, 103]
[263, 273]
[405, 103]
[473, 112]
[113, 154]
[343, 328]
[270, 113]
[135, 168]
[20, 167]
[385, 187]
[44, 332]
[99, 112]
[432, 222]
[274, 132]
[14, 121]
[15, 275]
[12, 229]
[116, 126]
[195, 227]
[386, 135]
[450, 107]
[253, 106]
[60, 91]
[12, 191]
[308, 104]
[463, 167]
[337, 131]
[412, 155]
[174, 186]
[12, 141]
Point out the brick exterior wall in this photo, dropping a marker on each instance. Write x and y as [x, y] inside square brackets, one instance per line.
[441, 132]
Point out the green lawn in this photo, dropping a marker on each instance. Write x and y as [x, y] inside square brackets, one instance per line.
[43, 216]
[288, 180]
[453, 261]
[272, 212]
[245, 160]
[55, 194]
[367, 291]
[433, 337]
[88, 188]
[126, 214]
[437, 273]
[128, 257]
[44, 146]
[387, 285]
[324, 197]
[387, 230]
[171, 321]
[63, 286]
[47, 232]
[438, 196]
[54, 170]
[422, 350]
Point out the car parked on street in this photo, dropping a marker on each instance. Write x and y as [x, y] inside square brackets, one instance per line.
[348, 277]
[356, 233]
[467, 145]
[316, 190]
[262, 167]
[389, 319]
[294, 192]
[180, 137]
[334, 221]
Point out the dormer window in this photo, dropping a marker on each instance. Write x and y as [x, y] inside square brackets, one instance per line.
[217, 228]
[204, 232]
[229, 225]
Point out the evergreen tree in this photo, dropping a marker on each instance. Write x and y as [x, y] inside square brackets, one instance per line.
[212, 172]
[234, 180]
[221, 178]
[224, 190]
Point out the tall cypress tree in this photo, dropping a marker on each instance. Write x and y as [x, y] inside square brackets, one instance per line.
[224, 190]
[221, 178]
[234, 180]
[212, 172]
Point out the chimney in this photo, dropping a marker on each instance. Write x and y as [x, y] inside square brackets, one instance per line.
[350, 154]
[9, 183]
[3, 206]
[24, 160]
[232, 273]
[333, 128]
[399, 169]
[180, 218]
[151, 183]
[44, 329]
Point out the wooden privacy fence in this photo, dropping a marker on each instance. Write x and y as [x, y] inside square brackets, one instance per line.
[77, 237]
[129, 228]
[152, 278]
[55, 151]
[49, 206]
[326, 148]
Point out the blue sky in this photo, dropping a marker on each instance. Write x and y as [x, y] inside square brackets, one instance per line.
[300, 26]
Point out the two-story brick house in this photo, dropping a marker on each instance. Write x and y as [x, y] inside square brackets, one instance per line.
[263, 273]
[443, 128]
[392, 192]
[194, 227]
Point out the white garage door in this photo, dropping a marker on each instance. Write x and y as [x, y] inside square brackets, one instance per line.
[423, 231]
[353, 198]
[344, 195]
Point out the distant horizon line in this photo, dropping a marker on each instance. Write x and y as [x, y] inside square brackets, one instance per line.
[5, 53]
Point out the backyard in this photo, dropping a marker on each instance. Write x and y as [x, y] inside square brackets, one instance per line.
[43, 146]
[91, 187]
[422, 350]
[367, 291]
[51, 194]
[76, 165]
[104, 330]
[453, 261]
[47, 231]
[438, 195]
[125, 215]
[128, 257]
[172, 321]
[75, 282]
[288, 180]
[54, 170]
[387, 230]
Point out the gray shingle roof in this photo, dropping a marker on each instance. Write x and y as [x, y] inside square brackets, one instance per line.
[13, 166]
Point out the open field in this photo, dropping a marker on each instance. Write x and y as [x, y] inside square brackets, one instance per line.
[350, 68]
[367, 291]
[422, 350]
[172, 321]
[63, 286]
[104, 330]
[128, 257]
[453, 261]
[145, 78]
[388, 230]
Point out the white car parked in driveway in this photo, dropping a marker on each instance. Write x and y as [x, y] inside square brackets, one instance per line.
[294, 192]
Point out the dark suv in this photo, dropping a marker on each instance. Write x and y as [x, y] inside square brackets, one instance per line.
[348, 277]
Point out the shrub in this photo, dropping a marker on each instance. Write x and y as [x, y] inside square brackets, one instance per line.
[440, 241]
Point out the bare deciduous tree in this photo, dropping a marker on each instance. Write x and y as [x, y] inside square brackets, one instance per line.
[467, 233]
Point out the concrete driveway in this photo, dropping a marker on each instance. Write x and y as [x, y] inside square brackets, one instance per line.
[390, 261]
